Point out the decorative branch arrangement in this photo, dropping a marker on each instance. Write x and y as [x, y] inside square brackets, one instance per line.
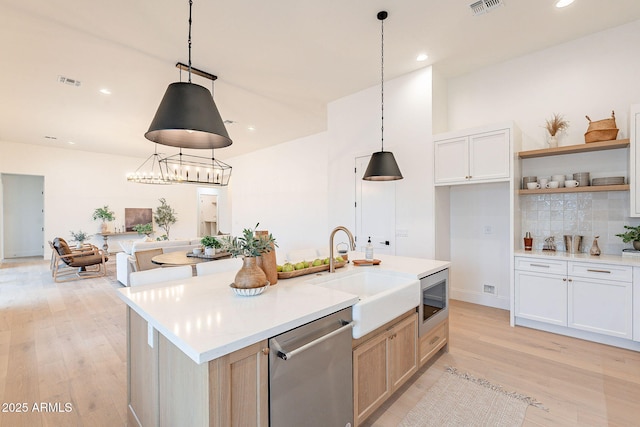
[556, 124]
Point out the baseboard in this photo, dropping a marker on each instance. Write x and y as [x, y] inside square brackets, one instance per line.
[480, 298]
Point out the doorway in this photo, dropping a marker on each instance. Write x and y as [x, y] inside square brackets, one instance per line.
[208, 214]
[375, 211]
[22, 215]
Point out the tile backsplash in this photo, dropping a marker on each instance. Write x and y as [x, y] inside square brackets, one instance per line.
[587, 214]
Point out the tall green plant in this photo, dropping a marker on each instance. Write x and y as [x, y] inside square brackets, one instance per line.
[165, 216]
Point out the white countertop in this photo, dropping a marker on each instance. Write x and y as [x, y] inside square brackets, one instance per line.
[582, 257]
[203, 317]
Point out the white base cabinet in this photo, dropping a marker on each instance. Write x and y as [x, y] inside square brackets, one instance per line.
[585, 296]
[636, 304]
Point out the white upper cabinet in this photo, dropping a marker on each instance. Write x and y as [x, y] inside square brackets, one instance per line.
[634, 163]
[474, 156]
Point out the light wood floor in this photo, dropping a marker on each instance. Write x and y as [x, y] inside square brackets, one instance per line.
[65, 343]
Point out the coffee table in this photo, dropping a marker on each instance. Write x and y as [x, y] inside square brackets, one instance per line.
[172, 259]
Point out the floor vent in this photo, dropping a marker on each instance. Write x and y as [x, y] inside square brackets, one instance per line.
[68, 81]
[484, 6]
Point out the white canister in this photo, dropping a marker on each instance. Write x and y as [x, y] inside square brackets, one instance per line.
[560, 179]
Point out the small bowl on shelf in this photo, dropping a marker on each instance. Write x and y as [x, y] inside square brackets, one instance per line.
[248, 292]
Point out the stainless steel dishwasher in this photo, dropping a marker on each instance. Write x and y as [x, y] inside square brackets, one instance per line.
[311, 374]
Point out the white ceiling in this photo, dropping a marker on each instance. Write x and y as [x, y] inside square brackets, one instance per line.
[279, 63]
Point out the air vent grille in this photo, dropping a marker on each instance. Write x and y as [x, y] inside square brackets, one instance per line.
[483, 6]
[68, 81]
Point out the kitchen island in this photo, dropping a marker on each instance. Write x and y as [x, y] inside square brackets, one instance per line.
[197, 352]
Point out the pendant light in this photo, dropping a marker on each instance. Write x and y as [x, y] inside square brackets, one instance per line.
[382, 166]
[187, 116]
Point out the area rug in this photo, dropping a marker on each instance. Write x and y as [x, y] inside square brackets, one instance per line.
[458, 399]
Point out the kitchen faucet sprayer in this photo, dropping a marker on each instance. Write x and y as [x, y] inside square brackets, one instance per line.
[352, 243]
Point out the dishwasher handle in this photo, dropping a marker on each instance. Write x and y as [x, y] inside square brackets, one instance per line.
[284, 355]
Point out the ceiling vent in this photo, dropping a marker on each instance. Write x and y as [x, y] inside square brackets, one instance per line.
[68, 81]
[484, 6]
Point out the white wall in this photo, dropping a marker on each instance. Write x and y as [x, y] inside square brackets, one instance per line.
[354, 130]
[589, 76]
[302, 189]
[284, 188]
[77, 182]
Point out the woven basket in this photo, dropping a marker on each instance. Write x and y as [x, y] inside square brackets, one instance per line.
[601, 130]
[600, 135]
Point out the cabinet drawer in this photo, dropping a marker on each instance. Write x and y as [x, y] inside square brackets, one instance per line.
[589, 270]
[433, 341]
[551, 266]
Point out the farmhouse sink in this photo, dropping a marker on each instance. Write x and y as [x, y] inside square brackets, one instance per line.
[383, 296]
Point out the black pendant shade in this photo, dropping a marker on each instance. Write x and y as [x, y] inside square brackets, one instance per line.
[188, 118]
[382, 167]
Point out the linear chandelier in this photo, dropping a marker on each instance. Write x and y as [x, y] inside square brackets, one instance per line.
[190, 169]
[182, 169]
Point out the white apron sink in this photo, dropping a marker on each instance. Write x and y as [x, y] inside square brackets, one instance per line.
[383, 296]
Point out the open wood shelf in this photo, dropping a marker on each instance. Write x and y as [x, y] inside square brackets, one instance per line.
[591, 188]
[573, 149]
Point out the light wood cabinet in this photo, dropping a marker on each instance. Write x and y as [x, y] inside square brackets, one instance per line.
[382, 364]
[433, 341]
[167, 388]
[480, 157]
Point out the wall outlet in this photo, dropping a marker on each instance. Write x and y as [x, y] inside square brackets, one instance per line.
[487, 229]
[402, 233]
[489, 289]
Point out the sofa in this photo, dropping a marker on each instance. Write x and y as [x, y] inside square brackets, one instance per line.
[126, 261]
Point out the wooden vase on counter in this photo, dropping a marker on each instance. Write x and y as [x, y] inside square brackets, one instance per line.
[250, 275]
[267, 261]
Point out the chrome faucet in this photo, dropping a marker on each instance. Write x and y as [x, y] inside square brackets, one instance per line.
[352, 243]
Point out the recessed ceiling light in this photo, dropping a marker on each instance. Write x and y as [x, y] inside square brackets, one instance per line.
[105, 91]
[71, 143]
[422, 57]
[251, 128]
[563, 3]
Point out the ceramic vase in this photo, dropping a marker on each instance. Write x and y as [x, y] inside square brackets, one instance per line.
[636, 245]
[209, 251]
[104, 227]
[553, 141]
[267, 261]
[250, 275]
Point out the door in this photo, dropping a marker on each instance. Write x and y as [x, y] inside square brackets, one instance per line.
[601, 306]
[23, 213]
[451, 160]
[489, 155]
[541, 297]
[375, 211]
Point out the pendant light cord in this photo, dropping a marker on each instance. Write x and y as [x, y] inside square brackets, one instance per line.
[382, 17]
[190, 6]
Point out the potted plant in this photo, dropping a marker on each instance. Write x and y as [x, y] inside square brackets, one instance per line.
[210, 244]
[631, 235]
[250, 247]
[556, 124]
[104, 214]
[165, 217]
[145, 229]
[79, 237]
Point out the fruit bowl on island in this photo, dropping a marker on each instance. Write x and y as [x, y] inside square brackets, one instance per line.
[289, 270]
